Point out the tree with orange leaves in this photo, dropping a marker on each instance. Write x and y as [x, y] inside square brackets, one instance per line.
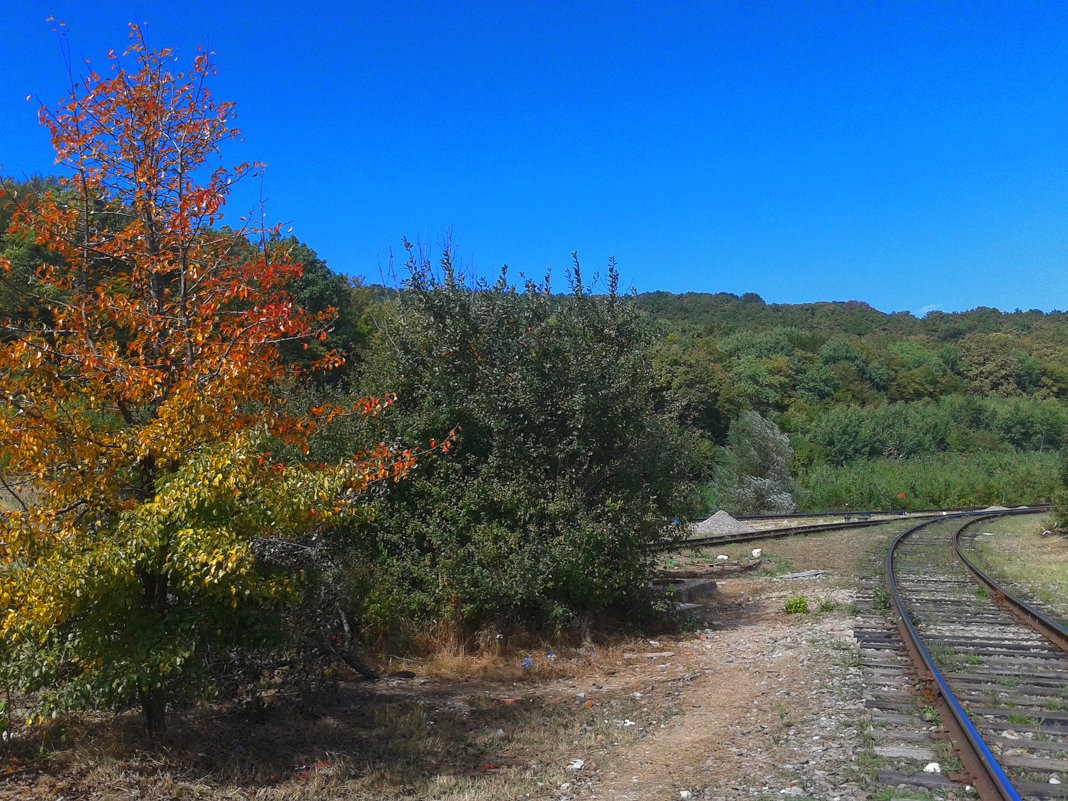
[136, 405]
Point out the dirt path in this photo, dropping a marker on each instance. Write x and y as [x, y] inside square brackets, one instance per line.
[769, 704]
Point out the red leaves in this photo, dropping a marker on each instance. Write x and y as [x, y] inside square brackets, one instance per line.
[162, 332]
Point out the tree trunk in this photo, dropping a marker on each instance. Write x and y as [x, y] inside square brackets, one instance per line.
[154, 711]
[153, 700]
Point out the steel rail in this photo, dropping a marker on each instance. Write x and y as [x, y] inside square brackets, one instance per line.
[1043, 624]
[883, 512]
[790, 531]
[995, 777]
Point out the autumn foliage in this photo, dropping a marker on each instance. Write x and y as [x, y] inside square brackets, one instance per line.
[137, 404]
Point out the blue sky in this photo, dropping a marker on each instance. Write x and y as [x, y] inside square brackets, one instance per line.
[910, 155]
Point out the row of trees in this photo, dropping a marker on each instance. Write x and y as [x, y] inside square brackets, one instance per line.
[855, 388]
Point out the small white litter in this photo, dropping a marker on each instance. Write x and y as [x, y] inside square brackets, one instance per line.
[932, 767]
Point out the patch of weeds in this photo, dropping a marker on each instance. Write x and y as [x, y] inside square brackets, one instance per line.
[1008, 681]
[870, 762]
[846, 653]
[772, 565]
[880, 598]
[783, 712]
[691, 623]
[796, 605]
[982, 594]
[786, 723]
[826, 605]
[948, 758]
[853, 609]
[891, 793]
[945, 657]
[931, 715]
[1020, 719]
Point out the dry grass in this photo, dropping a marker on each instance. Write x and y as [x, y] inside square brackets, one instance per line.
[472, 727]
[844, 553]
[1019, 552]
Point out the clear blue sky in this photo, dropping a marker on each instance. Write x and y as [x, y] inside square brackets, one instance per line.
[909, 154]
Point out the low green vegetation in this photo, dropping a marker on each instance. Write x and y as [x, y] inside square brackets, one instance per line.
[939, 481]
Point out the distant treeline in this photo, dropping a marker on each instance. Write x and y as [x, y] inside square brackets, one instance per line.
[956, 408]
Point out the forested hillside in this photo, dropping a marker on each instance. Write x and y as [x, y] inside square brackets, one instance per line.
[962, 408]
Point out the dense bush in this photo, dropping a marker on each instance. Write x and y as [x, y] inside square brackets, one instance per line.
[562, 474]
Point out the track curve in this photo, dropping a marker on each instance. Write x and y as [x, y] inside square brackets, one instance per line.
[1002, 685]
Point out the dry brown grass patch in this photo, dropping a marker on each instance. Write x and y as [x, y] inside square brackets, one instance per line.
[469, 726]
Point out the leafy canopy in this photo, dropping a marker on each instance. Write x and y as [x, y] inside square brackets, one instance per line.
[137, 402]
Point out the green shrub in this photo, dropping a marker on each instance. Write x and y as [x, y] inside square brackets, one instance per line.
[796, 605]
[562, 476]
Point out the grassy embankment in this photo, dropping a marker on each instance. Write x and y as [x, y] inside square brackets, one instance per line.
[1018, 552]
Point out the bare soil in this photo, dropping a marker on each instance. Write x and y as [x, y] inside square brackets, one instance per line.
[752, 702]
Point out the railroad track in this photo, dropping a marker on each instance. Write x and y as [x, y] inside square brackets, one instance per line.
[1000, 685]
[852, 520]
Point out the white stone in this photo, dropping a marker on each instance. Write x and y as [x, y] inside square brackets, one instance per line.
[576, 764]
[932, 767]
[722, 557]
[757, 552]
[1054, 780]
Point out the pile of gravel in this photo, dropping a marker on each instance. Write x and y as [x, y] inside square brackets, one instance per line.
[722, 523]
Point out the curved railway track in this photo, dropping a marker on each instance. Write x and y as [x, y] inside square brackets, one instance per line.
[849, 521]
[1002, 686]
